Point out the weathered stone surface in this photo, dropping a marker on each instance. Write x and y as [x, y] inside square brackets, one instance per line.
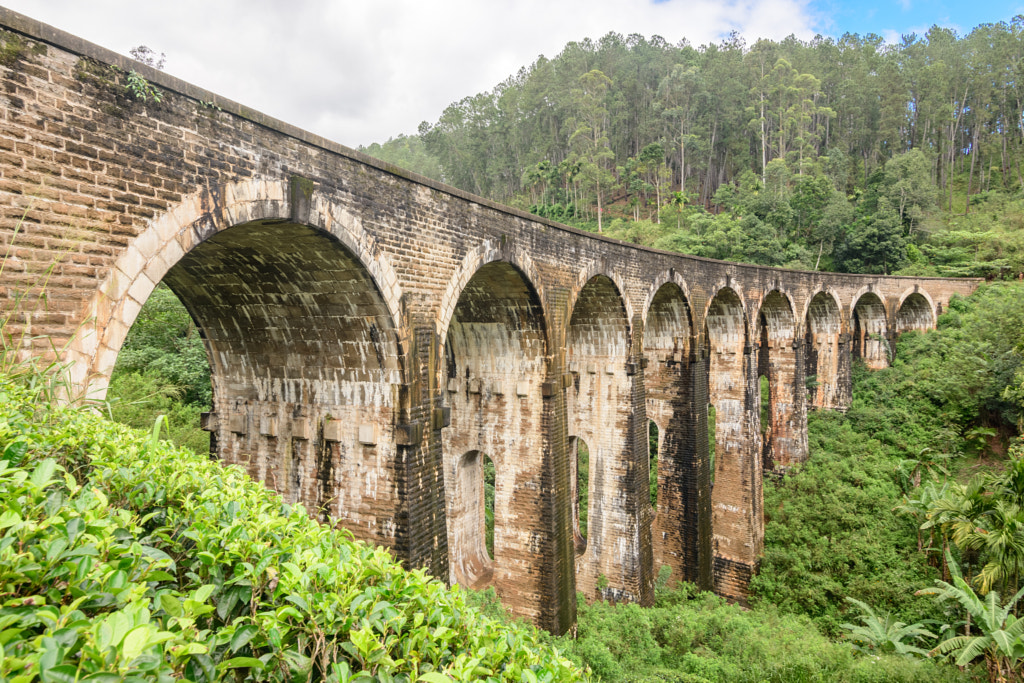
[373, 335]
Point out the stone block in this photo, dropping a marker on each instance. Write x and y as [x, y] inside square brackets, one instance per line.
[333, 430]
[301, 428]
[268, 425]
[209, 422]
[368, 434]
[238, 423]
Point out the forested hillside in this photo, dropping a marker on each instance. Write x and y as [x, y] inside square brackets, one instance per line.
[848, 154]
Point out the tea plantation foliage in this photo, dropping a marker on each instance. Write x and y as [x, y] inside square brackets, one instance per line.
[123, 558]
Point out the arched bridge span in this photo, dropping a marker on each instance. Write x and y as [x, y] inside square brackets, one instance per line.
[376, 338]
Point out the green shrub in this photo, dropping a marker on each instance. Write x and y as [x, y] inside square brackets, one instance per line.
[123, 558]
[694, 637]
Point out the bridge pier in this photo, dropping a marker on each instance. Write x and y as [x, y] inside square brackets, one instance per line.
[737, 498]
[780, 359]
[605, 412]
[677, 398]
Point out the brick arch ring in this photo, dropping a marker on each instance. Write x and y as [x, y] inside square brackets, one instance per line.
[117, 301]
[585, 276]
[489, 251]
[670, 277]
[829, 292]
[927, 297]
[758, 305]
[719, 287]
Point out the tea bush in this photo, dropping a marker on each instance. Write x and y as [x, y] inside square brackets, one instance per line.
[125, 558]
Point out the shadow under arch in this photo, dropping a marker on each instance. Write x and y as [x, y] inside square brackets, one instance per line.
[175, 233]
[676, 390]
[302, 342]
[869, 331]
[915, 312]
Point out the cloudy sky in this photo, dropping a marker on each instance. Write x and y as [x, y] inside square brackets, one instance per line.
[361, 71]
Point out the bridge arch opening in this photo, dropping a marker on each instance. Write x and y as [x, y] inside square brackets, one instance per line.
[680, 468]
[163, 368]
[779, 366]
[599, 409]
[492, 375]
[474, 486]
[303, 353]
[579, 480]
[915, 313]
[826, 367]
[654, 433]
[870, 333]
[736, 497]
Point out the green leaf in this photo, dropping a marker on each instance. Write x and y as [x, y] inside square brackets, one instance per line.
[61, 674]
[135, 642]
[243, 636]
[241, 663]
[204, 593]
[435, 677]
[171, 605]
[9, 518]
[42, 475]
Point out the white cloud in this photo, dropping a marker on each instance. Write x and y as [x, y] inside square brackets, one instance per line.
[359, 71]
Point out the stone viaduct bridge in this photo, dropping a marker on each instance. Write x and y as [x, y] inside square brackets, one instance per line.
[374, 335]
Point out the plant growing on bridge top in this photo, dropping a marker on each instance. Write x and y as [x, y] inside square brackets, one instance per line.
[136, 85]
[141, 89]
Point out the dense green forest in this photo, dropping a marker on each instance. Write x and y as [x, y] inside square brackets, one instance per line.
[850, 154]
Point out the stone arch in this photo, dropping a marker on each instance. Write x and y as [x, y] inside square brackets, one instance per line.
[586, 275]
[493, 369]
[599, 409]
[869, 330]
[302, 339]
[487, 252]
[827, 359]
[668, 277]
[148, 257]
[777, 301]
[915, 311]
[736, 497]
[674, 379]
[725, 319]
[781, 361]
